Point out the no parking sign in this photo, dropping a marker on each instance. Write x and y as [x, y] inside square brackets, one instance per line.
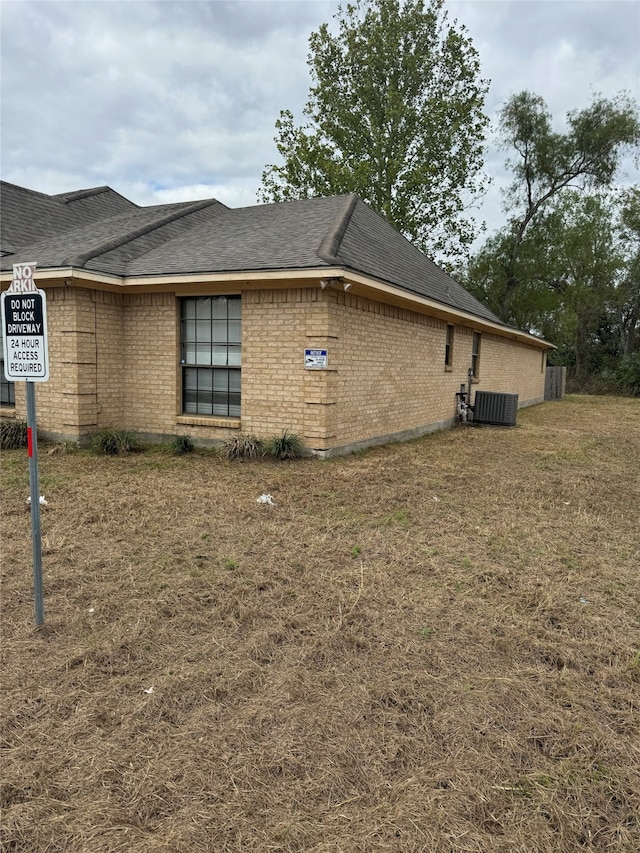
[24, 326]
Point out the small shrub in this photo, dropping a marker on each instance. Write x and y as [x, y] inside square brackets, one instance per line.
[182, 444]
[62, 448]
[115, 442]
[13, 434]
[286, 446]
[242, 447]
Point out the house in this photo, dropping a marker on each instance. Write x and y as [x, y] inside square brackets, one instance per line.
[313, 315]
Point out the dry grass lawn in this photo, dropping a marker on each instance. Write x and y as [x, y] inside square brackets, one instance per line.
[432, 646]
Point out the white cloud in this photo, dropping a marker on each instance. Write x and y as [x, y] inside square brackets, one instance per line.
[170, 101]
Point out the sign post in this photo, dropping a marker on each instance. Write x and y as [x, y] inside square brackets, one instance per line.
[26, 359]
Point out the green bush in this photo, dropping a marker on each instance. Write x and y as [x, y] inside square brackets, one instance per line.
[182, 444]
[115, 442]
[13, 434]
[286, 446]
[242, 447]
[624, 377]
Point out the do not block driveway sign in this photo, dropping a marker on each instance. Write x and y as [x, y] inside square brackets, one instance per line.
[24, 328]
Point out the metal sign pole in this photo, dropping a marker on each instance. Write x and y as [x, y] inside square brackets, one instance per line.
[32, 441]
[26, 359]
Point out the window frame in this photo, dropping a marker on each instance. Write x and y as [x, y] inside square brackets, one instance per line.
[210, 340]
[476, 348]
[448, 346]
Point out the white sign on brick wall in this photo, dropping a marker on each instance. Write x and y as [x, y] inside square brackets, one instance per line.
[316, 359]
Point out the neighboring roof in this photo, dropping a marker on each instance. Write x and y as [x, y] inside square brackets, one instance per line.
[28, 216]
[99, 230]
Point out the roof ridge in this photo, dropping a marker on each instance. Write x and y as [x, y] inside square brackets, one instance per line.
[76, 195]
[330, 245]
[81, 259]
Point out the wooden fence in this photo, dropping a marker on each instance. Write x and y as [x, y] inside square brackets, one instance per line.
[555, 381]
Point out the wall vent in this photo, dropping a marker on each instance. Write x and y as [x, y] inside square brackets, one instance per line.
[490, 407]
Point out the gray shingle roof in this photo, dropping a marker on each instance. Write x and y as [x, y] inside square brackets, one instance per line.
[101, 231]
[28, 216]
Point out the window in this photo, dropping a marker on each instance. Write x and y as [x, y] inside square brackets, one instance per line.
[211, 343]
[448, 348]
[7, 389]
[475, 355]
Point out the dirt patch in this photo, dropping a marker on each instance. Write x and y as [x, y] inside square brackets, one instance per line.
[432, 646]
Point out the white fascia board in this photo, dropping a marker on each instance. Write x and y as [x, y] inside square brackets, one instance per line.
[253, 276]
[84, 276]
[67, 274]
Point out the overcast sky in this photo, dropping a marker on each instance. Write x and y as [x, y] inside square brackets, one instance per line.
[170, 101]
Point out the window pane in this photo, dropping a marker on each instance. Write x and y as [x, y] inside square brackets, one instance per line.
[235, 356]
[235, 331]
[188, 308]
[219, 307]
[221, 392]
[203, 308]
[203, 330]
[220, 354]
[203, 353]
[205, 380]
[190, 385]
[234, 307]
[221, 380]
[189, 330]
[190, 379]
[448, 349]
[189, 353]
[220, 331]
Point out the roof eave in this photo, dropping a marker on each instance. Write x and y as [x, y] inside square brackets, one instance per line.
[356, 283]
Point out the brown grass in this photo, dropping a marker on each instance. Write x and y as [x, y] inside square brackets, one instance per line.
[432, 646]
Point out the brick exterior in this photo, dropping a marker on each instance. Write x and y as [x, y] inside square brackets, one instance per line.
[114, 363]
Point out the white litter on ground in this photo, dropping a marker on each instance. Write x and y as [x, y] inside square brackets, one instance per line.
[43, 501]
[266, 499]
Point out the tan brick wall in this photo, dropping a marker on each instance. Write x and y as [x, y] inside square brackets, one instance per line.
[114, 363]
[386, 372]
[277, 326]
[390, 369]
[511, 367]
[66, 404]
[151, 362]
[110, 362]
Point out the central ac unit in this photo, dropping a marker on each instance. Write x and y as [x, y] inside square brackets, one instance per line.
[491, 407]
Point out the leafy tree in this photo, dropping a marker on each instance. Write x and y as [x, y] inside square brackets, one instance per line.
[395, 114]
[545, 165]
[585, 264]
[629, 288]
[578, 283]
